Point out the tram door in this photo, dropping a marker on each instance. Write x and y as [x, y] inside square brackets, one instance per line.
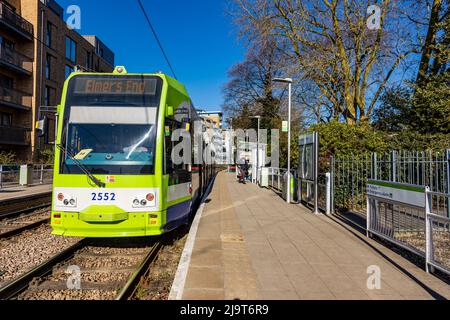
[180, 176]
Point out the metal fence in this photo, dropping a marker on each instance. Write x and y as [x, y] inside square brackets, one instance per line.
[399, 223]
[306, 191]
[437, 231]
[422, 231]
[416, 168]
[342, 187]
[10, 175]
[276, 178]
[350, 175]
[349, 182]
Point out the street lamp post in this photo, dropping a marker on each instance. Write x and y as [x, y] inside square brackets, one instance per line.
[257, 148]
[289, 82]
[231, 155]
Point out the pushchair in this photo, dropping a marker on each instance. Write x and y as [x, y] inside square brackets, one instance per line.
[242, 175]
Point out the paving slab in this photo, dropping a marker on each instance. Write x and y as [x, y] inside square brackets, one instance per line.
[252, 245]
[19, 192]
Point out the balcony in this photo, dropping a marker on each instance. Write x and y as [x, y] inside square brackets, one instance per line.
[15, 61]
[15, 99]
[15, 22]
[15, 136]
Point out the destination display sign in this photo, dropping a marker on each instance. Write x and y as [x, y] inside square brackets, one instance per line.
[408, 194]
[116, 86]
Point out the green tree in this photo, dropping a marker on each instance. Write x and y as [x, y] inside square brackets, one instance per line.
[431, 107]
[395, 112]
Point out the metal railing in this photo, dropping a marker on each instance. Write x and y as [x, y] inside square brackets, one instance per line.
[17, 97]
[43, 173]
[10, 175]
[306, 192]
[398, 223]
[350, 175]
[415, 168]
[11, 56]
[276, 178]
[15, 136]
[15, 20]
[424, 231]
[437, 231]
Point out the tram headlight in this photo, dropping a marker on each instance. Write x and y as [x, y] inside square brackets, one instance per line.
[72, 202]
[143, 203]
[66, 202]
[136, 202]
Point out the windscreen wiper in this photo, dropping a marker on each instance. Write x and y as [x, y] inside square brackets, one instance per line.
[82, 167]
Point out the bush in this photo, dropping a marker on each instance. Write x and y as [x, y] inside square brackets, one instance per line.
[415, 141]
[47, 156]
[7, 157]
[340, 139]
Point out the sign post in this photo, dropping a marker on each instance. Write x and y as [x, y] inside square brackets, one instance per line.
[411, 195]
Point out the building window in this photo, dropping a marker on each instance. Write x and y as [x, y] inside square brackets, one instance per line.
[48, 67]
[6, 43]
[88, 61]
[69, 70]
[48, 39]
[71, 50]
[101, 52]
[48, 96]
[5, 119]
[6, 82]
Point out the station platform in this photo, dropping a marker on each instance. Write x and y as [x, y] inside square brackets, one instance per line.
[16, 193]
[249, 244]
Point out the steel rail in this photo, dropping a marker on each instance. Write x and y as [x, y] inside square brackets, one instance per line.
[17, 207]
[132, 284]
[25, 227]
[20, 284]
[23, 211]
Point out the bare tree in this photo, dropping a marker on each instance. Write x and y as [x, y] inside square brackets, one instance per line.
[250, 86]
[349, 61]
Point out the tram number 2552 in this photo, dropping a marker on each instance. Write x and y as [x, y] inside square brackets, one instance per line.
[103, 196]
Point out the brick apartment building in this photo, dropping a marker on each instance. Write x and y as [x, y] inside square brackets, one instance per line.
[37, 53]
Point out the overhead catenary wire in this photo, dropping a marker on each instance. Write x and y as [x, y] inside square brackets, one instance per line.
[156, 37]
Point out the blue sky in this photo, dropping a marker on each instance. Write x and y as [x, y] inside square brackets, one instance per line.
[197, 36]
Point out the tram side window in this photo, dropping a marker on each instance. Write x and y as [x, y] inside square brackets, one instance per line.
[178, 173]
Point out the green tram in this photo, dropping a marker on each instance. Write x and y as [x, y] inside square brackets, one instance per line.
[114, 175]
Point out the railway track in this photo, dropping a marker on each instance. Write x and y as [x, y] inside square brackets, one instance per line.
[11, 208]
[17, 223]
[86, 271]
[23, 213]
